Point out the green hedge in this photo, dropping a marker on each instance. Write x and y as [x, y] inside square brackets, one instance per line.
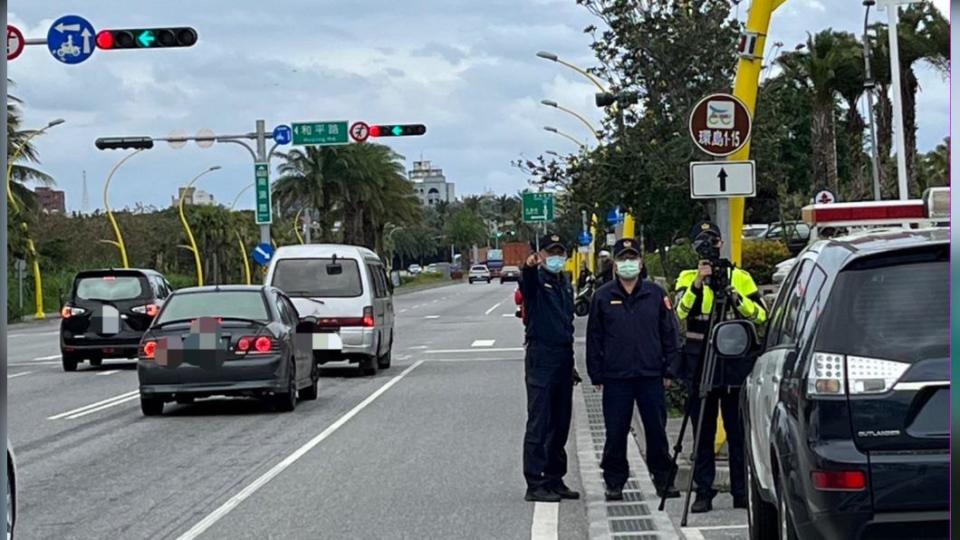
[760, 258]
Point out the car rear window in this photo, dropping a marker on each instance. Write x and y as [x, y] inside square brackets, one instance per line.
[242, 304]
[111, 288]
[316, 277]
[895, 312]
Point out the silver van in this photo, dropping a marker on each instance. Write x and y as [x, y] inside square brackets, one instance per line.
[344, 292]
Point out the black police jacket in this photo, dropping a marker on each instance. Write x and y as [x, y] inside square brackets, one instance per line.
[631, 335]
[548, 303]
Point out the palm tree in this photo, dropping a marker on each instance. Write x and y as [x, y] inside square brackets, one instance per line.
[820, 68]
[308, 179]
[21, 173]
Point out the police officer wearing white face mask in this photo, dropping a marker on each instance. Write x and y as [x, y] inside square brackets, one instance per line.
[631, 340]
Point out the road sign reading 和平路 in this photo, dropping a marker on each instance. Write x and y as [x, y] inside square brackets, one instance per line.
[320, 133]
[538, 207]
[720, 125]
[264, 209]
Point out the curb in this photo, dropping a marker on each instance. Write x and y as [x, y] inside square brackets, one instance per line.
[721, 482]
[636, 517]
[52, 316]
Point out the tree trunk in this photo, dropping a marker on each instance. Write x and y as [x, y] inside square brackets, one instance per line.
[824, 140]
[860, 177]
[884, 115]
[910, 87]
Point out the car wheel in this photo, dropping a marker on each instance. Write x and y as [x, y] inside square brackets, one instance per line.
[287, 401]
[582, 309]
[151, 406]
[96, 362]
[311, 392]
[69, 362]
[369, 366]
[787, 530]
[384, 361]
[761, 515]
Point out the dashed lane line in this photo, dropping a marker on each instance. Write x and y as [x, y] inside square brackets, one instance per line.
[93, 407]
[21, 374]
[490, 350]
[489, 311]
[483, 343]
[110, 372]
[546, 521]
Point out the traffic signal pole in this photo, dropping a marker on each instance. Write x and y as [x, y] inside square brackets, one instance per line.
[745, 87]
[3, 264]
[262, 157]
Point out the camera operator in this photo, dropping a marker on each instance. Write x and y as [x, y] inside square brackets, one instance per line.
[696, 294]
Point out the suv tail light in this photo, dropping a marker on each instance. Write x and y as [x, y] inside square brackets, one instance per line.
[149, 349]
[836, 375]
[368, 320]
[70, 311]
[150, 310]
[839, 480]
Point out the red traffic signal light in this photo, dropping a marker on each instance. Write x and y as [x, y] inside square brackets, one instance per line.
[119, 143]
[397, 130]
[146, 38]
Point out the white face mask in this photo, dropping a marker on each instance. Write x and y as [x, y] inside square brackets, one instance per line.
[628, 269]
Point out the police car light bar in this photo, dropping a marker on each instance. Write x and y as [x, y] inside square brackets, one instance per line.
[937, 202]
[865, 213]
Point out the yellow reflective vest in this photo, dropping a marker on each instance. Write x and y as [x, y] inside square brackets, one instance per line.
[750, 306]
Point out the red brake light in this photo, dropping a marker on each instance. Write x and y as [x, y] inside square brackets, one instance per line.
[109, 278]
[368, 320]
[66, 312]
[149, 349]
[263, 344]
[244, 344]
[839, 480]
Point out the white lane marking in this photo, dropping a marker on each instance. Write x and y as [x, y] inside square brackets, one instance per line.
[454, 351]
[92, 405]
[404, 310]
[546, 521]
[464, 360]
[251, 488]
[509, 315]
[419, 348]
[714, 528]
[103, 407]
[12, 364]
[692, 533]
[36, 334]
[432, 317]
[21, 374]
[489, 311]
[483, 343]
[105, 373]
[51, 357]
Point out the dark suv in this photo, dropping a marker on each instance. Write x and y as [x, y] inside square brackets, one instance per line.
[846, 410]
[107, 313]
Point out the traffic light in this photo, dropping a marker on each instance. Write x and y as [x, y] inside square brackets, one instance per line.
[120, 143]
[146, 38]
[397, 130]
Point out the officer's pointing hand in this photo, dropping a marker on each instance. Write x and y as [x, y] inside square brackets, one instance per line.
[534, 260]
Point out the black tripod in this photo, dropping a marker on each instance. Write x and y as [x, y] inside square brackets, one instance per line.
[708, 367]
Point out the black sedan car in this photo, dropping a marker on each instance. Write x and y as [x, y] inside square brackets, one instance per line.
[510, 273]
[107, 313]
[226, 341]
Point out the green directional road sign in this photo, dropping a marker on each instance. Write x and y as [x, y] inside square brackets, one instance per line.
[321, 133]
[261, 172]
[538, 207]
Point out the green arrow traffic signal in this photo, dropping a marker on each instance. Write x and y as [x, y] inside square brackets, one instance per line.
[146, 38]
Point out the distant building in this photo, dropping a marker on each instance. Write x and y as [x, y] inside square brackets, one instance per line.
[193, 196]
[52, 201]
[430, 184]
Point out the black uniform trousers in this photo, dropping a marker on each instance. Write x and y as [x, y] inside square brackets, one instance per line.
[619, 396]
[549, 380]
[726, 401]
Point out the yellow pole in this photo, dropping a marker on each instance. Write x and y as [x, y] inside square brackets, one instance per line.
[745, 87]
[296, 226]
[243, 249]
[106, 205]
[629, 226]
[186, 225]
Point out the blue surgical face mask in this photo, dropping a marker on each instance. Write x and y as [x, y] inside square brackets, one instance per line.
[555, 263]
[628, 269]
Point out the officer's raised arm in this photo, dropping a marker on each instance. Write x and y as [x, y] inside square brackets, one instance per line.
[530, 277]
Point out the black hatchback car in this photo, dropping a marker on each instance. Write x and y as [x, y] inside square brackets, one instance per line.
[226, 341]
[846, 411]
[107, 313]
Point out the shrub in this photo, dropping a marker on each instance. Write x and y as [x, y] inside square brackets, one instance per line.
[760, 258]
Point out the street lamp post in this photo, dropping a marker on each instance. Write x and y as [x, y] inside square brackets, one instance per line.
[869, 86]
[555, 105]
[893, 18]
[106, 205]
[243, 249]
[554, 58]
[186, 224]
[31, 247]
[566, 135]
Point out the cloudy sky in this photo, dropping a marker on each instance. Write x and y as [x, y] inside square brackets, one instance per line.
[465, 68]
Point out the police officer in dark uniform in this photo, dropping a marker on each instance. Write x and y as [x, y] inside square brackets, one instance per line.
[695, 302]
[548, 303]
[631, 340]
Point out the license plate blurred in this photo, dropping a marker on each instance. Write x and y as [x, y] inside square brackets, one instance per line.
[327, 342]
[110, 320]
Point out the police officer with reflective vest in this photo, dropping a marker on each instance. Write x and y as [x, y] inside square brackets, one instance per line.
[694, 304]
[548, 305]
[631, 340]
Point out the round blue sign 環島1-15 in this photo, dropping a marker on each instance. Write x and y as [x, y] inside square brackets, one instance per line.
[282, 134]
[71, 39]
[262, 254]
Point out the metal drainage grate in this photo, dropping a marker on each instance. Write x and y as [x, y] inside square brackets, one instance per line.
[636, 536]
[630, 525]
[627, 510]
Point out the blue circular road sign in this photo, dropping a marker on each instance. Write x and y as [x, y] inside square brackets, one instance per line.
[282, 134]
[585, 238]
[615, 217]
[71, 39]
[262, 254]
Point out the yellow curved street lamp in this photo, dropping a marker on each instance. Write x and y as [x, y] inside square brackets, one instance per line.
[106, 204]
[243, 249]
[555, 105]
[186, 224]
[550, 56]
[37, 278]
[568, 136]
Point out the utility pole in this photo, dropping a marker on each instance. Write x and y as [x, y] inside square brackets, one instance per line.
[261, 157]
[4, 207]
[870, 86]
[893, 18]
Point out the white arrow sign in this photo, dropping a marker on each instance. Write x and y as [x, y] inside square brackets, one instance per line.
[67, 28]
[86, 40]
[720, 179]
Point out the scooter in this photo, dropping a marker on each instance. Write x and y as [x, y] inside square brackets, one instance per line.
[581, 304]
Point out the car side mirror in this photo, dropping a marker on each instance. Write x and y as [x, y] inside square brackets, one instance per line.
[734, 338]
